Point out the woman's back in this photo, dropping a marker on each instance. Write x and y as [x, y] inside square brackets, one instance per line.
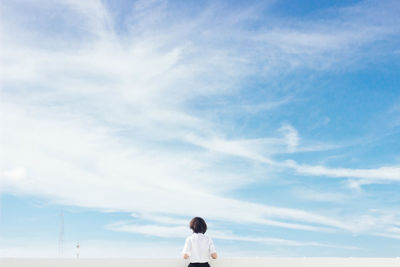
[200, 247]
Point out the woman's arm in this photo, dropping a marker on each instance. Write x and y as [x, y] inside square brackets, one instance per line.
[187, 249]
[213, 252]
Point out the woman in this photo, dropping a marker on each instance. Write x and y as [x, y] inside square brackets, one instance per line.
[199, 247]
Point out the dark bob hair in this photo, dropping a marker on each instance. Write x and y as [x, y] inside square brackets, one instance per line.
[198, 225]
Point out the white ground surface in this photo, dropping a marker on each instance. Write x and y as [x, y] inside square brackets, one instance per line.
[250, 262]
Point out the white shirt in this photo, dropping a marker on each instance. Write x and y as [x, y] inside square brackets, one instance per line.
[199, 247]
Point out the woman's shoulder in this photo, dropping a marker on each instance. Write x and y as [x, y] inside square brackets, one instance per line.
[205, 236]
[190, 237]
[198, 236]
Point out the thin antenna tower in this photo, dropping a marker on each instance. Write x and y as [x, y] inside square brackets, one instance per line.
[61, 234]
[77, 250]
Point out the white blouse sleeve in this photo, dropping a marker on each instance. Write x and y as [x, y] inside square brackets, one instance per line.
[212, 247]
[187, 249]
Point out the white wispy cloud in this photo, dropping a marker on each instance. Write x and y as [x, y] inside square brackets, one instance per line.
[389, 173]
[321, 195]
[180, 231]
[291, 136]
[89, 248]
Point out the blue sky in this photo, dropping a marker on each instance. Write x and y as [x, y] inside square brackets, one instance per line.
[278, 122]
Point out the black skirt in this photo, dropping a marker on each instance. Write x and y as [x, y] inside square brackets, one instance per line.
[198, 264]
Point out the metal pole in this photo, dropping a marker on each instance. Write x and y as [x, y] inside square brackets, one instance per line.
[61, 234]
[77, 250]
